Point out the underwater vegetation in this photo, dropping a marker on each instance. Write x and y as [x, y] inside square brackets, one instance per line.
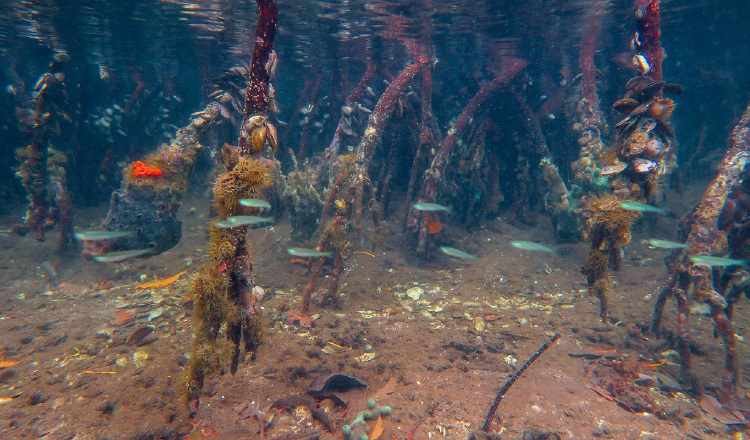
[585, 144]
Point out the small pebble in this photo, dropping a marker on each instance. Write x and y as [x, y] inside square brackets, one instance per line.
[415, 293]
[37, 398]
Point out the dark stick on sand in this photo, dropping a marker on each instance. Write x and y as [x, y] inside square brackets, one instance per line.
[512, 380]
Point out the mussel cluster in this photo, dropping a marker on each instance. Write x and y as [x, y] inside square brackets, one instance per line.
[230, 88]
[228, 98]
[645, 136]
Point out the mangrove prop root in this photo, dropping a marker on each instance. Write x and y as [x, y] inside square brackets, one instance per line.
[700, 230]
[149, 205]
[333, 193]
[359, 193]
[428, 192]
[328, 237]
[590, 141]
[223, 289]
[377, 121]
[303, 96]
[429, 136]
[354, 97]
[647, 40]
[333, 288]
[608, 229]
[257, 97]
[643, 151]
[304, 135]
[557, 193]
[509, 383]
[41, 172]
[384, 108]
[588, 68]
[307, 295]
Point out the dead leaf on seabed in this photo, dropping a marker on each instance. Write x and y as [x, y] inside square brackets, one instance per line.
[388, 388]
[377, 430]
[712, 407]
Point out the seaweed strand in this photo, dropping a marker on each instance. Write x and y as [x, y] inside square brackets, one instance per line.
[509, 383]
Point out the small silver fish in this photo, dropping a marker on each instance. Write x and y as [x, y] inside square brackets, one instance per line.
[112, 257]
[640, 207]
[453, 252]
[101, 234]
[255, 203]
[242, 220]
[430, 207]
[50, 268]
[308, 253]
[708, 260]
[531, 246]
[666, 244]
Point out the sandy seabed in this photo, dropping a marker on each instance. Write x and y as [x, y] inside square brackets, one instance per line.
[72, 367]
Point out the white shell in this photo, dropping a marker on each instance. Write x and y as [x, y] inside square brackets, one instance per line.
[611, 170]
[644, 165]
[641, 62]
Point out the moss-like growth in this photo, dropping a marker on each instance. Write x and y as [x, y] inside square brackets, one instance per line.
[248, 179]
[211, 303]
[225, 301]
[607, 222]
[175, 160]
[608, 229]
[206, 359]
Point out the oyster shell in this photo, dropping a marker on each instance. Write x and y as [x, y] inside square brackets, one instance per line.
[633, 148]
[655, 149]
